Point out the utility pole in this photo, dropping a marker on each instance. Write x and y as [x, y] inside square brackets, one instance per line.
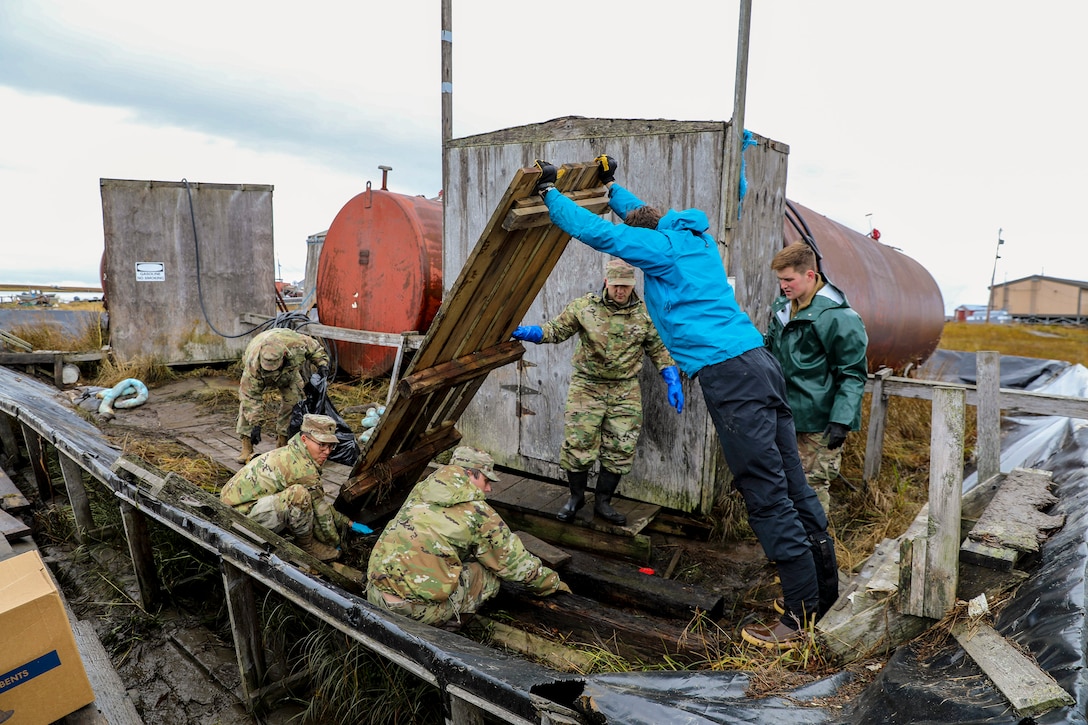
[734, 140]
[447, 88]
[997, 256]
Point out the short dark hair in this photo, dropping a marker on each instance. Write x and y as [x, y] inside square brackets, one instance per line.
[645, 217]
[798, 255]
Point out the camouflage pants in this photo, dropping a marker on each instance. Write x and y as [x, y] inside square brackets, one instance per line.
[251, 400]
[475, 586]
[820, 463]
[602, 420]
[296, 510]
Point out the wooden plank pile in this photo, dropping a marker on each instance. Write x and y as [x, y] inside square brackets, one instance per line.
[469, 337]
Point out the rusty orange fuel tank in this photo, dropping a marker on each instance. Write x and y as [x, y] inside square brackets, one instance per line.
[897, 298]
[380, 270]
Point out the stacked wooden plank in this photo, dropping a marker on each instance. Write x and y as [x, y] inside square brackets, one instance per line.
[469, 337]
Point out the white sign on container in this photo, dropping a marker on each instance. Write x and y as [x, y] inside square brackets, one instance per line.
[150, 272]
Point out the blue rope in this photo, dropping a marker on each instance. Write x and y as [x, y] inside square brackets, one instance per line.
[749, 140]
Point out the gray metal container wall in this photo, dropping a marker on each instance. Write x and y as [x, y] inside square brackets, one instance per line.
[163, 320]
[517, 414]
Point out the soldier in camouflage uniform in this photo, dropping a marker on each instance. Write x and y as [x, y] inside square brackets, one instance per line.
[281, 489]
[820, 342]
[273, 361]
[603, 415]
[443, 554]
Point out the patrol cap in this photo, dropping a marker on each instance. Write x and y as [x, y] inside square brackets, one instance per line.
[271, 357]
[469, 457]
[616, 271]
[321, 428]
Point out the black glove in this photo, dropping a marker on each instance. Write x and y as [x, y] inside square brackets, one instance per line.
[255, 435]
[836, 435]
[548, 176]
[607, 170]
[323, 371]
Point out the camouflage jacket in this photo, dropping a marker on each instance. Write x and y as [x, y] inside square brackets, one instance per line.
[446, 521]
[297, 347]
[611, 339]
[271, 473]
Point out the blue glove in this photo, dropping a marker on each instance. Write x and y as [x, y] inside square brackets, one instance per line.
[530, 333]
[676, 395]
[361, 528]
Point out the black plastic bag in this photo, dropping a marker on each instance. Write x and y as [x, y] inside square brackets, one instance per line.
[315, 399]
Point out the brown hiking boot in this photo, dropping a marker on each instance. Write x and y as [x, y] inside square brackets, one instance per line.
[316, 549]
[781, 636]
[247, 450]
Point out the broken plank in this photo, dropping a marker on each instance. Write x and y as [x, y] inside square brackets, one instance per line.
[1013, 522]
[552, 556]
[636, 548]
[1029, 689]
[555, 655]
[537, 215]
[457, 371]
[11, 527]
[624, 585]
[11, 498]
[635, 637]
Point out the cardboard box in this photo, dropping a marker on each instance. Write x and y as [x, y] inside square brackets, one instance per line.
[41, 674]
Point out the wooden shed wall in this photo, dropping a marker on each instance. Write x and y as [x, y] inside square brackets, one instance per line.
[149, 221]
[518, 412]
[1041, 296]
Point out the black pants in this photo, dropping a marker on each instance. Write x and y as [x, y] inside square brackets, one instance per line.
[746, 398]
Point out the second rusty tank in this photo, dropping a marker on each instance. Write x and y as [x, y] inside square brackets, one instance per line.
[896, 297]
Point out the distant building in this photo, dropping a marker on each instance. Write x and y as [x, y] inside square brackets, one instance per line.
[1042, 299]
[977, 313]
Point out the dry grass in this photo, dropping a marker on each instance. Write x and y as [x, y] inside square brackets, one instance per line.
[1047, 342]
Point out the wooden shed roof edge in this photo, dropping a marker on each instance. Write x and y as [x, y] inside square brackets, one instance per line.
[195, 185]
[573, 127]
[1074, 282]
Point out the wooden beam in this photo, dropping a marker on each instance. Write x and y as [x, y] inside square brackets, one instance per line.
[935, 594]
[988, 413]
[363, 337]
[48, 357]
[384, 474]
[878, 415]
[77, 496]
[246, 627]
[455, 372]
[1011, 401]
[624, 585]
[12, 528]
[7, 438]
[1030, 690]
[143, 555]
[36, 452]
[557, 656]
[537, 215]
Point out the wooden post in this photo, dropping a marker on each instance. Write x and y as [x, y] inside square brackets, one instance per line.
[36, 453]
[878, 413]
[988, 385]
[7, 437]
[942, 540]
[244, 625]
[734, 138]
[77, 496]
[143, 557]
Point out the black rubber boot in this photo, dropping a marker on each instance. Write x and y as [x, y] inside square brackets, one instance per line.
[827, 570]
[577, 481]
[602, 502]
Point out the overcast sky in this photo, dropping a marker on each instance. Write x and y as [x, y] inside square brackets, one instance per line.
[944, 121]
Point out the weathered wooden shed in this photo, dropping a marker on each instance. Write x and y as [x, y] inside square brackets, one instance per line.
[1042, 299]
[518, 412]
[177, 269]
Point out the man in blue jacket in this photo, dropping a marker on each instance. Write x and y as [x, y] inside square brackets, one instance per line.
[696, 313]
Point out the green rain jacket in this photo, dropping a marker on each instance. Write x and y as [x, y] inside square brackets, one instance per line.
[822, 353]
